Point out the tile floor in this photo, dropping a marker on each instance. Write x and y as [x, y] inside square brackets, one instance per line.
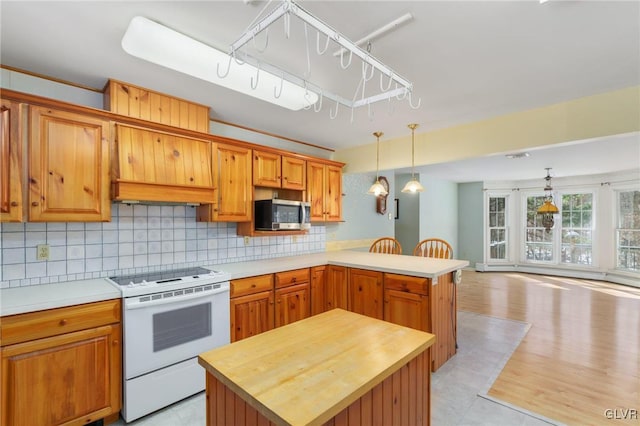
[458, 388]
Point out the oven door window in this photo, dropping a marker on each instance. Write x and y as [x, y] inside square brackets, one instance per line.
[179, 326]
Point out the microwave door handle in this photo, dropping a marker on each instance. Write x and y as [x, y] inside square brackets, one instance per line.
[304, 214]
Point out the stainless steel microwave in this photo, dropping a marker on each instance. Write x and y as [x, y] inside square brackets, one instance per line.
[277, 214]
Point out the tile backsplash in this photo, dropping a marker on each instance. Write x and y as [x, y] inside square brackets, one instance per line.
[139, 238]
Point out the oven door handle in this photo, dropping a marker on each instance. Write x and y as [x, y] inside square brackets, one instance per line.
[135, 303]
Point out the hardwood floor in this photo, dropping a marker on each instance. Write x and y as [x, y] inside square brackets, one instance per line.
[581, 356]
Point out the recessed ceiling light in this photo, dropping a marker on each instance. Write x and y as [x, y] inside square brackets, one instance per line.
[517, 155]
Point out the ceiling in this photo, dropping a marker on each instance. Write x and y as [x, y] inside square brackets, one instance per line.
[467, 60]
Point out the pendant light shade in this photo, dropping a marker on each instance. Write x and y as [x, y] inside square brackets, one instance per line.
[377, 188]
[413, 185]
[548, 209]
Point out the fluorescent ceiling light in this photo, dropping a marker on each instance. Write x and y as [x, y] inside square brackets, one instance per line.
[163, 46]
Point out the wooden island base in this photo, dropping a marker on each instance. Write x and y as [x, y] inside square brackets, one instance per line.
[336, 368]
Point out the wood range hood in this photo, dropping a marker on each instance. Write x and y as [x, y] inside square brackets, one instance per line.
[154, 167]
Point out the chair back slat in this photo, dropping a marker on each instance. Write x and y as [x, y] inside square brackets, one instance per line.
[386, 245]
[433, 247]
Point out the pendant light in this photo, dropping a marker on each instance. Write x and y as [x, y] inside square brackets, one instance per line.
[377, 188]
[413, 185]
[548, 209]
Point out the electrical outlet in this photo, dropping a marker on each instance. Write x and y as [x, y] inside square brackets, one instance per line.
[294, 238]
[246, 241]
[390, 216]
[42, 252]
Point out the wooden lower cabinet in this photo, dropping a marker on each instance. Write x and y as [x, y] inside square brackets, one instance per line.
[318, 289]
[72, 378]
[293, 296]
[251, 306]
[407, 309]
[336, 287]
[292, 304]
[365, 292]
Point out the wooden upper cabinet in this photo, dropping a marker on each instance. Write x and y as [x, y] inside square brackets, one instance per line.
[233, 186]
[158, 166]
[267, 169]
[133, 101]
[294, 173]
[10, 162]
[278, 171]
[68, 167]
[324, 191]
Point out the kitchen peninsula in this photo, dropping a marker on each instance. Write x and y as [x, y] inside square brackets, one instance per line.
[412, 291]
[335, 365]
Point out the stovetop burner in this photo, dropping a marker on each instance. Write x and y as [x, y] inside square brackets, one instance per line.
[125, 280]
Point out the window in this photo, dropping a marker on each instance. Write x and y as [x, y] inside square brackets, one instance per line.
[628, 231]
[538, 242]
[577, 212]
[497, 228]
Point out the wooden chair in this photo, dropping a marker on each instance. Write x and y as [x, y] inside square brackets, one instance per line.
[386, 245]
[434, 247]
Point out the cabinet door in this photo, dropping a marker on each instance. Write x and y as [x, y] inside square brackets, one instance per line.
[316, 190]
[407, 309]
[336, 287]
[68, 167]
[294, 173]
[292, 304]
[366, 293]
[73, 378]
[10, 162]
[266, 169]
[333, 195]
[251, 315]
[318, 299]
[232, 174]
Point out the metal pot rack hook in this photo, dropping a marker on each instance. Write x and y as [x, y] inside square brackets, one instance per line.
[277, 94]
[388, 86]
[364, 71]
[344, 67]
[319, 102]
[306, 46]
[287, 24]
[332, 114]
[254, 86]
[235, 58]
[226, 73]
[266, 43]
[326, 44]
[404, 94]
[411, 102]
[307, 97]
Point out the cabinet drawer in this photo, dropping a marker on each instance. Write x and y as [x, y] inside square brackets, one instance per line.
[52, 322]
[406, 283]
[288, 278]
[244, 286]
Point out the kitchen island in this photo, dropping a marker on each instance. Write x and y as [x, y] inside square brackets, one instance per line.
[337, 365]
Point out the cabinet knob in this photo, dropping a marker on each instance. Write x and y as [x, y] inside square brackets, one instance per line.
[63, 322]
[35, 204]
[115, 343]
[253, 286]
[14, 204]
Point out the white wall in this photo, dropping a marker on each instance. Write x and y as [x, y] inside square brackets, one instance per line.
[439, 211]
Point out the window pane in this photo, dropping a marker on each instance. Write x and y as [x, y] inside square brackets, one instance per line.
[628, 232]
[497, 228]
[538, 242]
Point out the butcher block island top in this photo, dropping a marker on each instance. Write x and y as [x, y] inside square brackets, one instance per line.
[309, 371]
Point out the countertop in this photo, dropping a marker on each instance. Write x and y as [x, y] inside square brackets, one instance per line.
[32, 298]
[393, 263]
[49, 296]
[308, 371]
